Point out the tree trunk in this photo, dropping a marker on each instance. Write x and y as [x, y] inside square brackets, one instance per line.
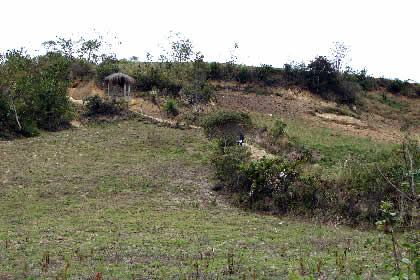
[14, 110]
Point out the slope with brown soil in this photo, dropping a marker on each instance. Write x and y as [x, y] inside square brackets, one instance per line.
[301, 104]
[380, 122]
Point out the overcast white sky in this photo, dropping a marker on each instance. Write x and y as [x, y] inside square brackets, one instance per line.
[383, 36]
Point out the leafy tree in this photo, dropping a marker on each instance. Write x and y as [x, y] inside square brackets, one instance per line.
[243, 75]
[396, 86]
[52, 107]
[108, 66]
[322, 75]
[89, 49]
[37, 91]
[14, 76]
[216, 71]
[199, 89]
[181, 48]
[171, 108]
[62, 45]
[264, 72]
[295, 73]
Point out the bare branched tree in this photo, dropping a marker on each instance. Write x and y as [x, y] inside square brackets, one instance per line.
[339, 52]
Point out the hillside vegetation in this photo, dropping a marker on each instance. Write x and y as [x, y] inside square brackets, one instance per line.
[132, 199]
[96, 188]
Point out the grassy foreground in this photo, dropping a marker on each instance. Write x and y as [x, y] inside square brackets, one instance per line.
[131, 200]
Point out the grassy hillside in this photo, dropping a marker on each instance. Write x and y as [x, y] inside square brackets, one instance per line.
[121, 197]
[131, 200]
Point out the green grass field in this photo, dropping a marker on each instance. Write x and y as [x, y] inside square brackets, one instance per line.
[132, 200]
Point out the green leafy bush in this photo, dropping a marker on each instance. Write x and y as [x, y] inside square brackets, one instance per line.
[347, 91]
[243, 75]
[396, 86]
[279, 129]
[52, 108]
[7, 123]
[80, 68]
[264, 72]
[227, 161]
[37, 92]
[295, 74]
[171, 108]
[270, 178]
[222, 123]
[281, 186]
[216, 71]
[322, 77]
[106, 68]
[95, 106]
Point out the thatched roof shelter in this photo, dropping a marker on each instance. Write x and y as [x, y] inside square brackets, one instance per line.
[120, 80]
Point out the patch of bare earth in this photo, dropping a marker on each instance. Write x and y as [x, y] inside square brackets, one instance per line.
[257, 153]
[81, 90]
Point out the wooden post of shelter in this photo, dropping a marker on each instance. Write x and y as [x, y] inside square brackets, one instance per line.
[128, 96]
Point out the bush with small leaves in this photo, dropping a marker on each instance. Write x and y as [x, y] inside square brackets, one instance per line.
[279, 129]
[106, 68]
[222, 123]
[95, 106]
[171, 108]
[347, 91]
[243, 75]
[216, 71]
[396, 86]
[227, 161]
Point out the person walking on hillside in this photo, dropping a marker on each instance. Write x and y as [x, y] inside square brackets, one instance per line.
[241, 138]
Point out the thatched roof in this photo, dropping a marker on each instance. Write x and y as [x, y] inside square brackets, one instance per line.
[120, 78]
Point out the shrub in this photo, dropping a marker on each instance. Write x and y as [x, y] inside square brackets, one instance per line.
[396, 86]
[224, 123]
[347, 91]
[80, 68]
[173, 88]
[95, 106]
[149, 79]
[264, 72]
[279, 129]
[322, 78]
[280, 185]
[270, 178]
[106, 68]
[295, 74]
[52, 107]
[243, 75]
[7, 123]
[216, 71]
[38, 92]
[171, 108]
[227, 161]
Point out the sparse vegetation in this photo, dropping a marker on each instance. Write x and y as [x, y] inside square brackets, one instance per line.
[171, 108]
[131, 199]
[34, 93]
[96, 106]
[225, 124]
[116, 214]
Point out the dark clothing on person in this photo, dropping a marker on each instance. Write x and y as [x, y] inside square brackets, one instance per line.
[241, 138]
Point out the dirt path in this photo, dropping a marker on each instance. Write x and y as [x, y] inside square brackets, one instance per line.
[138, 105]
